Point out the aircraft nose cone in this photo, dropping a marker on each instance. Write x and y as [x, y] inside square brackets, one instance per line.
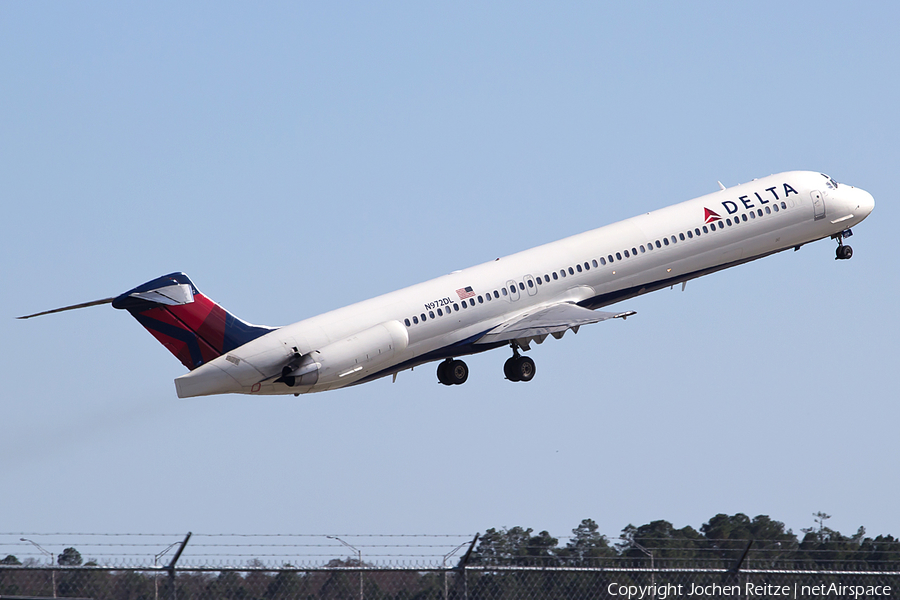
[866, 202]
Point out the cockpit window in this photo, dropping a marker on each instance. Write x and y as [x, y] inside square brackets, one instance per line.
[831, 183]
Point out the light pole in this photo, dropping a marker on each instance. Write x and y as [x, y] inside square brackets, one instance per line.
[652, 570]
[359, 553]
[52, 562]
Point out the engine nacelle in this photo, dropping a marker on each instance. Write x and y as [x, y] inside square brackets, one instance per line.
[352, 358]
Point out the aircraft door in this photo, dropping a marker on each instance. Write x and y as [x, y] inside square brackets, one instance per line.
[530, 285]
[513, 290]
[818, 204]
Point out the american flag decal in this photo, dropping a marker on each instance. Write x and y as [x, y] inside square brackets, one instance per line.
[465, 292]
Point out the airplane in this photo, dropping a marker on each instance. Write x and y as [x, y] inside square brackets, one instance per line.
[511, 301]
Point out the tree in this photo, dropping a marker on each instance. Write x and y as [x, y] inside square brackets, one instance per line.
[10, 560]
[70, 557]
[586, 543]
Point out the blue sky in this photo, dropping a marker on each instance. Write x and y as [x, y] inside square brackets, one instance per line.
[294, 158]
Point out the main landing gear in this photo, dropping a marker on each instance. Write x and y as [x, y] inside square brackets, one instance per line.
[842, 252]
[452, 372]
[517, 367]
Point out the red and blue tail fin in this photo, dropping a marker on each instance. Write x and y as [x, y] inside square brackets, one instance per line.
[194, 328]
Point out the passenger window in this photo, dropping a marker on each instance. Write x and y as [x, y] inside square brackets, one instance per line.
[697, 232]
[555, 276]
[431, 313]
[465, 304]
[512, 289]
[618, 256]
[728, 221]
[521, 286]
[768, 211]
[406, 321]
[422, 317]
[775, 206]
[642, 249]
[744, 218]
[705, 230]
[675, 239]
[531, 283]
[480, 300]
[690, 235]
[752, 215]
[504, 291]
[539, 281]
[471, 301]
[587, 267]
[496, 295]
[681, 236]
[456, 307]
[610, 258]
[634, 251]
[626, 254]
[783, 206]
[665, 241]
[602, 261]
[416, 320]
[563, 273]
[594, 262]
[657, 244]
[440, 313]
[546, 279]
[577, 268]
[571, 272]
[759, 211]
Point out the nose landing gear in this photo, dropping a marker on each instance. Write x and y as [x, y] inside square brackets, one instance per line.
[842, 252]
[518, 367]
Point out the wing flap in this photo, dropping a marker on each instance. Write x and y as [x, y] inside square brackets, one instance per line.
[553, 320]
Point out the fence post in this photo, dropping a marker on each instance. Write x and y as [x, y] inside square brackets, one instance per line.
[462, 566]
[171, 567]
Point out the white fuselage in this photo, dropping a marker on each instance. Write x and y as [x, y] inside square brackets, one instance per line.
[402, 329]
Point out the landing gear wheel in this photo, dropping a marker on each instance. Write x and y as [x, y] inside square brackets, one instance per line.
[843, 252]
[524, 368]
[452, 372]
[509, 368]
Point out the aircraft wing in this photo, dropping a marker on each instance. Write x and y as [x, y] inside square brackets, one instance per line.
[550, 320]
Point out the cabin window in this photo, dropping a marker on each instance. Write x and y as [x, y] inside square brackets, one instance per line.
[577, 268]
[504, 291]
[626, 254]
[456, 307]
[775, 206]
[705, 230]
[471, 301]
[440, 313]
[587, 267]
[768, 211]
[521, 286]
[752, 215]
[759, 211]
[530, 283]
[571, 272]
[697, 232]
[744, 217]
[563, 273]
[539, 281]
[602, 261]
[406, 321]
[431, 313]
[416, 320]
[610, 258]
[634, 251]
[594, 262]
[690, 235]
[480, 300]
[423, 317]
[642, 249]
[496, 295]
[512, 289]
[657, 244]
[618, 256]
[546, 278]
[728, 221]
[783, 206]
[555, 276]
[681, 236]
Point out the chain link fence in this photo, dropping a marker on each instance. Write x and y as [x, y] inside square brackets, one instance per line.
[414, 583]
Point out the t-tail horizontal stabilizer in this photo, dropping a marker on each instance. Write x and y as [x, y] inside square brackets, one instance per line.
[194, 328]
